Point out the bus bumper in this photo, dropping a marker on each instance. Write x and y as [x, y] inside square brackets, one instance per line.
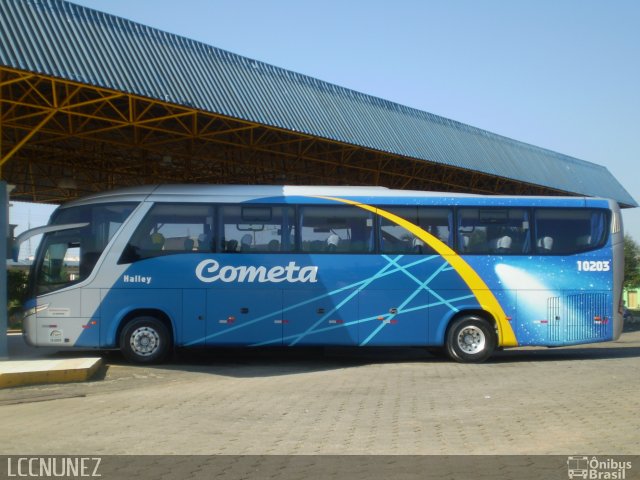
[29, 330]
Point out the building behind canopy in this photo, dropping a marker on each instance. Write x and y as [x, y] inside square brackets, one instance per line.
[90, 101]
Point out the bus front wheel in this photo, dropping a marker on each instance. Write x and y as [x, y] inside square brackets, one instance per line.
[145, 340]
[470, 339]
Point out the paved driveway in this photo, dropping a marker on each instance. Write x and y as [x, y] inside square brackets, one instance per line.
[340, 401]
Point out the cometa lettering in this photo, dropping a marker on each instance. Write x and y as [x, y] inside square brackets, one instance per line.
[209, 271]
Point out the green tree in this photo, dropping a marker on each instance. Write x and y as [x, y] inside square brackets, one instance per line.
[631, 263]
[16, 288]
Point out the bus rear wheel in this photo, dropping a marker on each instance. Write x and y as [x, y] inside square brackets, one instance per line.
[145, 340]
[470, 339]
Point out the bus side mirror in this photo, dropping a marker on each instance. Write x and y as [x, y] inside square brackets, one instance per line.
[20, 239]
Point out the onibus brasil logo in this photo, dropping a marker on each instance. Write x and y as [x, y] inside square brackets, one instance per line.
[595, 468]
[209, 271]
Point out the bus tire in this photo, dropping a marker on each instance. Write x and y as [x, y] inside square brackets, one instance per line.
[470, 339]
[145, 340]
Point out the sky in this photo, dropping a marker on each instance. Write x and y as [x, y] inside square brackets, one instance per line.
[559, 74]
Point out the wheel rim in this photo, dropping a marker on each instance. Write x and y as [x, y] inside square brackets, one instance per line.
[144, 341]
[471, 339]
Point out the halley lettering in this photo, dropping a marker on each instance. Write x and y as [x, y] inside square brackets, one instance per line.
[209, 271]
[137, 279]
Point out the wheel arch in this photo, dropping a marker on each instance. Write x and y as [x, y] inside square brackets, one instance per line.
[477, 312]
[146, 312]
[443, 329]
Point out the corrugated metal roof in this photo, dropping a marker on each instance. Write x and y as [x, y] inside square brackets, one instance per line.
[57, 38]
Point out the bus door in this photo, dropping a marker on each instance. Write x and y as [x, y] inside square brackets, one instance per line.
[244, 316]
[70, 317]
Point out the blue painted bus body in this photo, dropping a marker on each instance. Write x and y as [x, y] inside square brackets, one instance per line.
[365, 299]
[362, 300]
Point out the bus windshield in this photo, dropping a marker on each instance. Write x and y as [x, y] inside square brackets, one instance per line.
[68, 256]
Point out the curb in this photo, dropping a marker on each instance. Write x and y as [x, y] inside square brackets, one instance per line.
[31, 372]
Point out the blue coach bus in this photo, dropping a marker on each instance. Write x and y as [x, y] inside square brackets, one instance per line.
[153, 268]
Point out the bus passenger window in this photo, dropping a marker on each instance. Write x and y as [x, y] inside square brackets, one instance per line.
[494, 231]
[397, 239]
[336, 229]
[257, 228]
[568, 231]
[438, 222]
[171, 229]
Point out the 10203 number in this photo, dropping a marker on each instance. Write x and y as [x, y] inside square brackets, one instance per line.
[594, 265]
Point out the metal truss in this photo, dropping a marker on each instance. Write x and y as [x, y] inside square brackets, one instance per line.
[61, 139]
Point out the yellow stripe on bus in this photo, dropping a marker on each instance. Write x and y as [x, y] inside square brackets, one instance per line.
[485, 297]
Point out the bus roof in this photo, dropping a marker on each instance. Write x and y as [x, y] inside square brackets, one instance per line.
[253, 193]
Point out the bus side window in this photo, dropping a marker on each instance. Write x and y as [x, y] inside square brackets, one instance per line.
[336, 228]
[473, 230]
[257, 228]
[437, 222]
[570, 230]
[397, 239]
[170, 229]
[493, 231]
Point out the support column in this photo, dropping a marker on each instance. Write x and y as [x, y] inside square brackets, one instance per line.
[4, 233]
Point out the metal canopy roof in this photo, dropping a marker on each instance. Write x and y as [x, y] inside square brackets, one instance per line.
[63, 40]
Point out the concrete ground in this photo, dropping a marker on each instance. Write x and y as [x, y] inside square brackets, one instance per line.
[33, 366]
[566, 401]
